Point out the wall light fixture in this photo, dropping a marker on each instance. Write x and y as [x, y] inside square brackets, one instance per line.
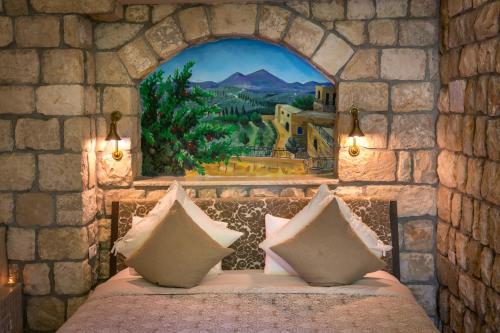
[113, 134]
[356, 131]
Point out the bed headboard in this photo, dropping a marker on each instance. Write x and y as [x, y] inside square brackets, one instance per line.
[247, 215]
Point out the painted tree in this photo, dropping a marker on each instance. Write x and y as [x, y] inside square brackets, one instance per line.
[177, 134]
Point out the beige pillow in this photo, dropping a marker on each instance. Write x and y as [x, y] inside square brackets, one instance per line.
[178, 253]
[327, 252]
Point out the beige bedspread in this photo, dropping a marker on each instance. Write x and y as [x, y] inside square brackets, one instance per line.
[250, 301]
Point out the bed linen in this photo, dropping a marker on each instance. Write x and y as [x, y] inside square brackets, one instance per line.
[250, 301]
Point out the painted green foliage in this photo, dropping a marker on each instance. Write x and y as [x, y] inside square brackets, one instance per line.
[179, 131]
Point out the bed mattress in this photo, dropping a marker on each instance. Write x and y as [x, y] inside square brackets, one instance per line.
[250, 301]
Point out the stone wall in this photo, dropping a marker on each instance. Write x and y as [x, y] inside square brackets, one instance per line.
[66, 65]
[468, 132]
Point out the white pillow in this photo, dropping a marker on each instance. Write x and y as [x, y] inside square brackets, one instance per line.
[274, 264]
[141, 229]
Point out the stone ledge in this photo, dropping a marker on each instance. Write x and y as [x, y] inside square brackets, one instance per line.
[203, 181]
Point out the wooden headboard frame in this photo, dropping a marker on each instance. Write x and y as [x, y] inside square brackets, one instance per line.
[393, 215]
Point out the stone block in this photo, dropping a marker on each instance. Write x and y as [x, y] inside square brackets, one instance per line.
[461, 30]
[354, 31]
[369, 96]
[34, 209]
[81, 7]
[360, 9]
[454, 133]
[72, 278]
[468, 60]
[461, 242]
[444, 203]
[442, 239]
[444, 306]
[37, 134]
[137, 13]
[474, 172]
[194, 23]
[166, 38]
[116, 15]
[433, 61]
[447, 273]
[412, 132]
[273, 22]
[494, 96]
[382, 32]
[292, 192]
[20, 244]
[159, 12]
[138, 58]
[486, 24]
[63, 243]
[446, 165]
[77, 134]
[16, 7]
[77, 31]
[407, 97]
[114, 173]
[481, 96]
[417, 33]
[467, 291]
[490, 186]
[17, 99]
[424, 167]
[6, 208]
[305, 36]
[36, 279]
[62, 66]
[473, 254]
[6, 139]
[17, 171]
[363, 65]
[76, 208]
[110, 70]
[333, 54]
[492, 135]
[403, 64]
[416, 200]
[6, 31]
[37, 31]
[321, 10]
[234, 19]
[457, 310]
[456, 209]
[461, 172]
[124, 99]
[470, 96]
[416, 266]
[60, 172]
[60, 100]
[114, 35]
[18, 66]
[264, 192]
[391, 8]
[468, 135]
[423, 8]
[404, 167]
[486, 55]
[425, 296]
[444, 68]
[233, 192]
[45, 313]
[486, 265]
[369, 165]
[418, 235]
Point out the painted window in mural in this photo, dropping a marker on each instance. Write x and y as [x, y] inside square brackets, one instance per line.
[237, 107]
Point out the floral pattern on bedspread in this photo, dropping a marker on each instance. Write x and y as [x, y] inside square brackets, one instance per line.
[249, 313]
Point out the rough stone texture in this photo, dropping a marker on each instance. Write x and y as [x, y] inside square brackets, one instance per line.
[194, 23]
[492, 135]
[114, 35]
[305, 36]
[137, 13]
[78, 31]
[6, 208]
[354, 31]
[403, 64]
[45, 313]
[77, 134]
[371, 96]
[166, 38]
[422, 8]
[20, 244]
[72, 6]
[391, 8]
[424, 167]
[16, 7]
[6, 31]
[322, 10]
[37, 134]
[369, 165]
[407, 97]
[123, 99]
[17, 171]
[110, 70]
[360, 9]
[363, 65]
[34, 209]
[233, 192]
[37, 31]
[273, 22]
[332, 54]
[17, 99]
[412, 132]
[486, 56]
[60, 172]
[36, 279]
[64, 100]
[63, 243]
[159, 12]
[230, 19]
[72, 278]
[138, 58]
[418, 235]
[404, 167]
[382, 32]
[416, 266]
[62, 66]
[6, 140]
[19, 66]
[417, 33]
[486, 24]
[114, 173]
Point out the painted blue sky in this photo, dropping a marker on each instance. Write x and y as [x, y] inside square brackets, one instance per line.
[215, 61]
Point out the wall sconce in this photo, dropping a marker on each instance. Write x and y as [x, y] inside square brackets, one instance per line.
[113, 134]
[355, 132]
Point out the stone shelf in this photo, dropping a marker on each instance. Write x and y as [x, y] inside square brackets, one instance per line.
[203, 181]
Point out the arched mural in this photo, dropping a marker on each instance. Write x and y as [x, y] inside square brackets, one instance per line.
[237, 107]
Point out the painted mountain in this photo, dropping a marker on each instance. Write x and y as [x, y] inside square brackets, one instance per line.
[261, 81]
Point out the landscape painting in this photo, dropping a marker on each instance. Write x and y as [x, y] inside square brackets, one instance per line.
[237, 107]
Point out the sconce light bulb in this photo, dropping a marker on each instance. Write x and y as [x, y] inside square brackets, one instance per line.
[117, 153]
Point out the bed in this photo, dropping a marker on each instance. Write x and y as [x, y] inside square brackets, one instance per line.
[243, 298]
